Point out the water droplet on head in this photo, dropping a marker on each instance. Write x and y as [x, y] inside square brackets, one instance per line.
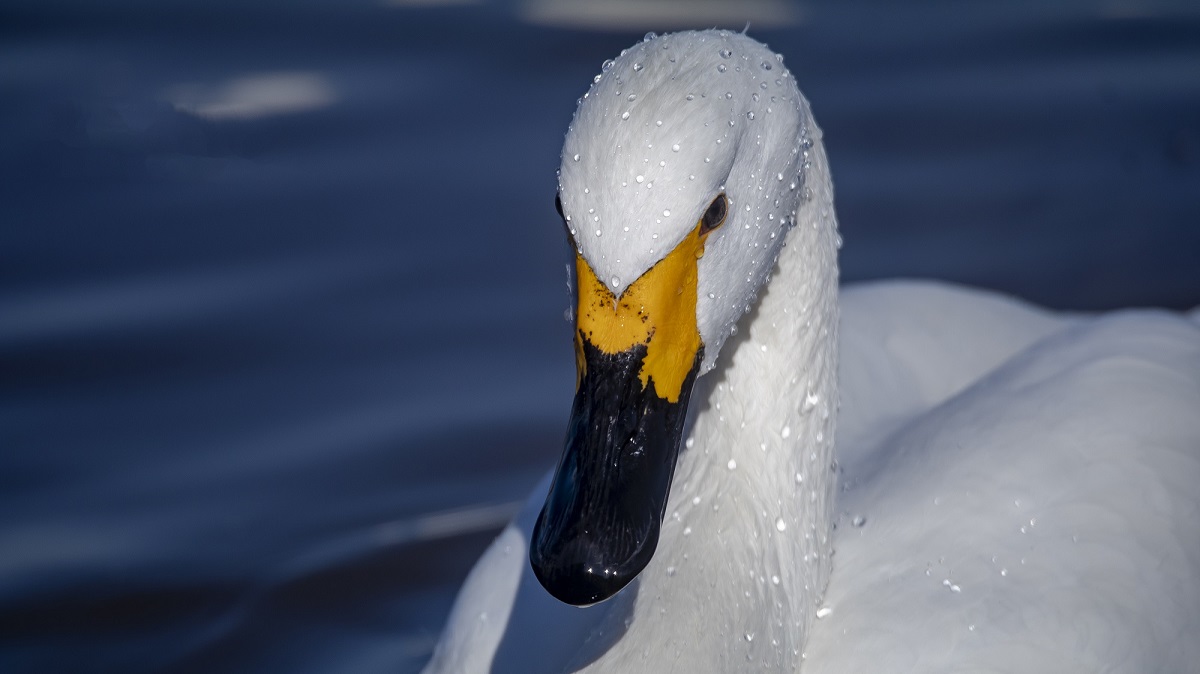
[632, 97]
[625, 115]
[576, 157]
[858, 521]
[721, 67]
[606, 66]
[787, 431]
[640, 178]
[780, 525]
[732, 465]
[749, 636]
[615, 281]
[750, 115]
[728, 94]
[765, 65]
[689, 97]
[597, 232]
[725, 53]
[650, 36]
[667, 213]
[637, 67]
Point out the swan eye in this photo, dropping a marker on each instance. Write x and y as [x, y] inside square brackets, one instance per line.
[715, 215]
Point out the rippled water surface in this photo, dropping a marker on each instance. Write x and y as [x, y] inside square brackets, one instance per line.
[281, 289]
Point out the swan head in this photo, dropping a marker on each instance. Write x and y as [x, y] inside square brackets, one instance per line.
[681, 174]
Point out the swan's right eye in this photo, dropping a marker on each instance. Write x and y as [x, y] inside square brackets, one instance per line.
[714, 217]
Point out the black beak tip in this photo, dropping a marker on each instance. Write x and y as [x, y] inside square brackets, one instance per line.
[577, 573]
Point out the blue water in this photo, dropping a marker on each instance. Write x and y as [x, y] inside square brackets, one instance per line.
[268, 385]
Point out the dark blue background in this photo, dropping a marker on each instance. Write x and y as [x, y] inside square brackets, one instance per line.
[242, 361]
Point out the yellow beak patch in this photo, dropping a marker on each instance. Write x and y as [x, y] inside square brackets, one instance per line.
[657, 310]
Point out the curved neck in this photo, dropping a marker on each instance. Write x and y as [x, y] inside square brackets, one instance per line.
[744, 553]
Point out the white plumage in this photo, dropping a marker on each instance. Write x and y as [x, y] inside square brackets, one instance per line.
[1018, 486]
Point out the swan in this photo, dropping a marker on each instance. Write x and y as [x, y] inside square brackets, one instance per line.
[690, 523]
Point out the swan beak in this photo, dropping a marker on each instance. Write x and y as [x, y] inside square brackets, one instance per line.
[637, 357]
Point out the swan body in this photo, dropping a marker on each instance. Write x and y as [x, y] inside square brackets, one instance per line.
[938, 386]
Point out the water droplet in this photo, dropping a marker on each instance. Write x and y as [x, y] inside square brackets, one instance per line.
[780, 525]
[670, 571]
[667, 213]
[774, 580]
[749, 636]
[597, 232]
[728, 94]
[858, 521]
[606, 66]
[732, 465]
[725, 53]
[721, 67]
[787, 431]
[650, 36]
[750, 115]
[824, 611]
[765, 65]
[615, 281]
[799, 478]
[689, 97]
[637, 67]
[687, 531]
[639, 178]
[658, 122]
[631, 97]
[576, 157]
[762, 85]
[625, 115]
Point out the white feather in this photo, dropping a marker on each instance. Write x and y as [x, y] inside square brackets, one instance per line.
[949, 394]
